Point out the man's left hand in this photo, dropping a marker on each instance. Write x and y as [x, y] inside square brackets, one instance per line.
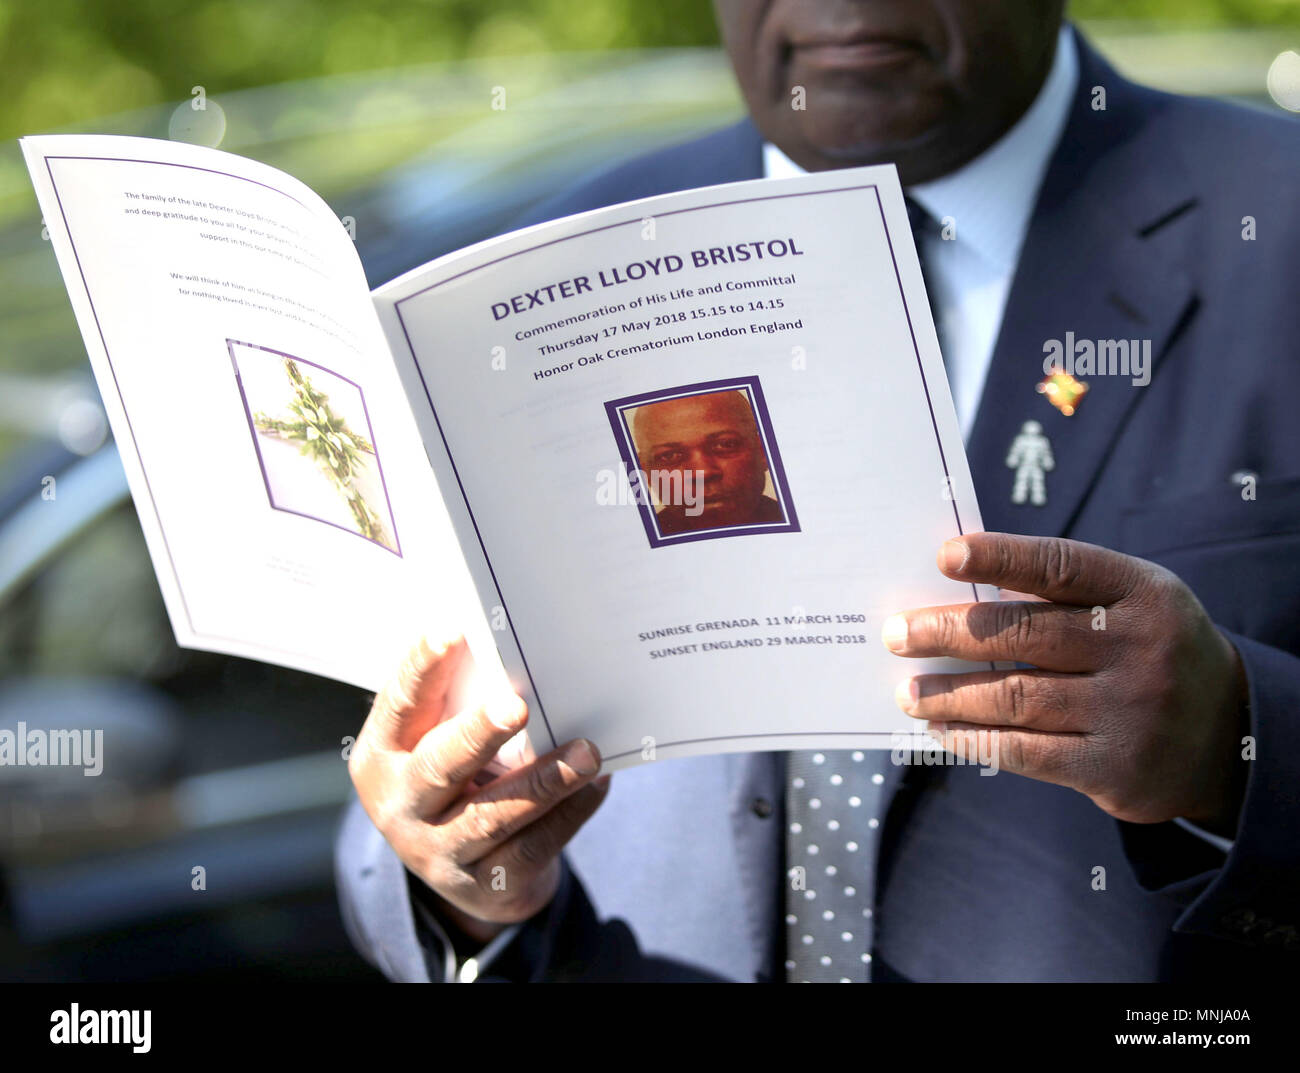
[1134, 697]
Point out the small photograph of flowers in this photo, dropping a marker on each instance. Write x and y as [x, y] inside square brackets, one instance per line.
[314, 442]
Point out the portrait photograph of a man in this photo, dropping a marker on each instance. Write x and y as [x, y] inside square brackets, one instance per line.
[702, 462]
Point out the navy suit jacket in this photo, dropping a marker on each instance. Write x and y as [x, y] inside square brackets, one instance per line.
[1139, 232]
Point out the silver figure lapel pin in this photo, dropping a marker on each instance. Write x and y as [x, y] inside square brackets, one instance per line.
[1031, 457]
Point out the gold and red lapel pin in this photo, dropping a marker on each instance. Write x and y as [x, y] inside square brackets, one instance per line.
[1063, 391]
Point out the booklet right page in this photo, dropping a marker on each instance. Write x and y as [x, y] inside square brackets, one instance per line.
[697, 449]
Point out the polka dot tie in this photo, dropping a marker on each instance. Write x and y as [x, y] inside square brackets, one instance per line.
[832, 803]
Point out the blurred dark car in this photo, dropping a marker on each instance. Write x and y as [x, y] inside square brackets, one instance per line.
[226, 765]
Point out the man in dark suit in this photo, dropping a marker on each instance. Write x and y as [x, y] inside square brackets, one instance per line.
[1145, 823]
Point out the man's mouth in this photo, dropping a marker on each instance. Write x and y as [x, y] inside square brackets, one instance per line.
[858, 50]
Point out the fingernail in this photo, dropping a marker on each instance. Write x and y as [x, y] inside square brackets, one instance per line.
[894, 633]
[582, 757]
[906, 695]
[953, 556]
[936, 730]
[437, 643]
[507, 714]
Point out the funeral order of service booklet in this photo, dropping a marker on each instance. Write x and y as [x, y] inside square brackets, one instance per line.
[667, 465]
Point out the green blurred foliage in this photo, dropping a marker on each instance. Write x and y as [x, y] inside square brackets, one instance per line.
[65, 61]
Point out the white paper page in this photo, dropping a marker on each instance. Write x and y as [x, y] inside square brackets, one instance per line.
[816, 366]
[229, 324]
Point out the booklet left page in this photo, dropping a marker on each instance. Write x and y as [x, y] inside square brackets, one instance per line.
[281, 483]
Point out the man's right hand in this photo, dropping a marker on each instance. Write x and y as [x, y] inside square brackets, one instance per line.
[491, 853]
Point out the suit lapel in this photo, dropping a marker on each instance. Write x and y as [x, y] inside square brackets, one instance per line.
[1088, 267]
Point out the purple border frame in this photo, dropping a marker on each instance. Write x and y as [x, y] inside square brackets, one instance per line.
[636, 222]
[750, 385]
[370, 431]
[108, 356]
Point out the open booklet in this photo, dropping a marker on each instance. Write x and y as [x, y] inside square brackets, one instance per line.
[667, 465]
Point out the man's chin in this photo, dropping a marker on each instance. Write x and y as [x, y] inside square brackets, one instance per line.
[868, 134]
